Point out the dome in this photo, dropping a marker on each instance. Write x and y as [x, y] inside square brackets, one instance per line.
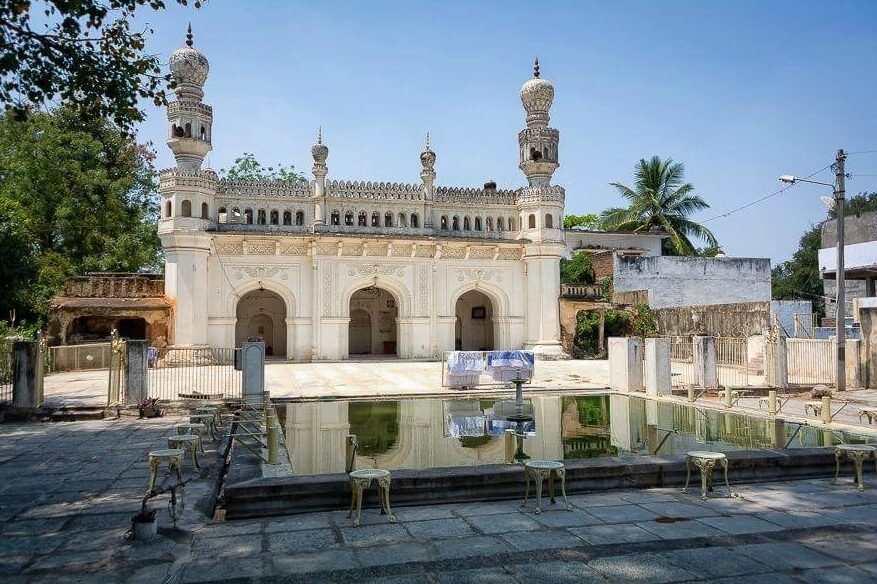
[320, 152]
[189, 68]
[427, 158]
[537, 95]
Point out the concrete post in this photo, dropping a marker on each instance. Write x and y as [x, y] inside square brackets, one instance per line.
[657, 366]
[136, 373]
[854, 363]
[706, 371]
[772, 402]
[25, 390]
[826, 410]
[252, 371]
[626, 363]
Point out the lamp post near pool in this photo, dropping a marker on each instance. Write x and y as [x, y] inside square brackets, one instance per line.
[840, 315]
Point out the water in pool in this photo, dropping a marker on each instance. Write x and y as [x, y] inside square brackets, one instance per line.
[433, 433]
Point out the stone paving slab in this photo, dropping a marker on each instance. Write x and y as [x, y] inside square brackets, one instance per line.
[800, 531]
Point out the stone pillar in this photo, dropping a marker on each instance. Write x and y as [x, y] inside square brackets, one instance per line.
[136, 372]
[543, 294]
[626, 363]
[25, 382]
[853, 363]
[776, 363]
[706, 371]
[657, 366]
[253, 370]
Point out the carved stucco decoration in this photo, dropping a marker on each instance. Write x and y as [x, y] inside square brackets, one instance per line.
[376, 249]
[425, 251]
[423, 290]
[481, 252]
[273, 272]
[375, 270]
[260, 248]
[294, 249]
[327, 248]
[454, 252]
[509, 254]
[478, 275]
[230, 248]
[401, 251]
[354, 249]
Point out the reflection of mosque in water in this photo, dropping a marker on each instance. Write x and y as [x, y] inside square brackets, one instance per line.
[434, 433]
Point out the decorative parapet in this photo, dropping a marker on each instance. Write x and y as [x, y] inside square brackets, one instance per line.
[172, 179]
[174, 108]
[473, 197]
[541, 194]
[374, 190]
[115, 285]
[264, 188]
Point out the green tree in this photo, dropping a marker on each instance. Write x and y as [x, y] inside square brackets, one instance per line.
[660, 199]
[578, 270]
[81, 196]
[590, 221]
[799, 277]
[246, 167]
[856, 205]
[81, 52]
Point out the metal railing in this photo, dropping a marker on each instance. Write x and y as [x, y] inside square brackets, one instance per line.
[194, 373]
[732, 356]
[810, 361]
[681, 361]
[5, 371]
[80, 357]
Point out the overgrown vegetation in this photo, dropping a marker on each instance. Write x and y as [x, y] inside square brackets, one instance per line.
[586, 342]
[77, 195]
[578, 270]
[81, 53]
[246, 167]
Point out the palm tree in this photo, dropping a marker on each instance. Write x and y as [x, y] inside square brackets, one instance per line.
[661, 200]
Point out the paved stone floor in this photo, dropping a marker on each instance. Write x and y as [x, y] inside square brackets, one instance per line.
[68, 490]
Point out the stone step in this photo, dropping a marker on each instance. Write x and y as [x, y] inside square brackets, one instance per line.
[77, 414]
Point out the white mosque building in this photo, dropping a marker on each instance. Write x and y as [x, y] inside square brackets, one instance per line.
[333, 269]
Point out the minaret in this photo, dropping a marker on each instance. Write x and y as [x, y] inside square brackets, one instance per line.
[541, 217]
[538, 142]
[189, 120]
[320, 152]
[188, 197]
[427, 175]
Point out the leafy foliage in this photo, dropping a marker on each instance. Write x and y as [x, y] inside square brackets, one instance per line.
[856, 205]
[78, 195]
[660, 199]
[82, 52]
[578, 270]
[643, 323]
[799, 277]
[246, 167]
[585, 345]
[590, 221]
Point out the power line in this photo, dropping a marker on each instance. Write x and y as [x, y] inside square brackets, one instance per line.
[763, 198]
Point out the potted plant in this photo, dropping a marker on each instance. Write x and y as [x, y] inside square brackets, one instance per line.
[143, 525]
[149, 408]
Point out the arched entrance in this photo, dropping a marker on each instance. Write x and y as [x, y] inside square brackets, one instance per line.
[261, 315]
[474, 325]
[373, 314]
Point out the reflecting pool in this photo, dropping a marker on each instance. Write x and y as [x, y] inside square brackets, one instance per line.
[434, 433]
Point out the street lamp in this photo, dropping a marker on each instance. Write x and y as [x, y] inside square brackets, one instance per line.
[840, 314]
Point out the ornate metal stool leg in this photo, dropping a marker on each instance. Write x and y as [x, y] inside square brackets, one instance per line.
[561, 473]
[706, 472]
[688, 475]
[527, 489]
[154, 462]
[193, 446]
[538, 476]
[384, 494]
[551, 486]
[727, 484]
[836, 466]
[357, 488]
[177, 463]
[857, 462]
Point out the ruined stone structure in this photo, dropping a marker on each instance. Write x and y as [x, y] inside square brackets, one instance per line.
[94, 305]
[329, 268]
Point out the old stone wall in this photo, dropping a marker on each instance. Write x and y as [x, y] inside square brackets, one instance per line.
[683, 281]
[115, 286]
[724, 320]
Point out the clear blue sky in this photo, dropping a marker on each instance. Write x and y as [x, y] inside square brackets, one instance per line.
[740, 91]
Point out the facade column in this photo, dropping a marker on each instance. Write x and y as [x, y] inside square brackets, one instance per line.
[543, 299]
[186, 279]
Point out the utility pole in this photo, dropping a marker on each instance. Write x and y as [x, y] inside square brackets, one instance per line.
[840, 314]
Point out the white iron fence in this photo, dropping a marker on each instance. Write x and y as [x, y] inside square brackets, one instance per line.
[193, 373]
[80, 357]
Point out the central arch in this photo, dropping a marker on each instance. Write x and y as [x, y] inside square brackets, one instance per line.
[261, 315]
[474, 327]
[373, 329]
